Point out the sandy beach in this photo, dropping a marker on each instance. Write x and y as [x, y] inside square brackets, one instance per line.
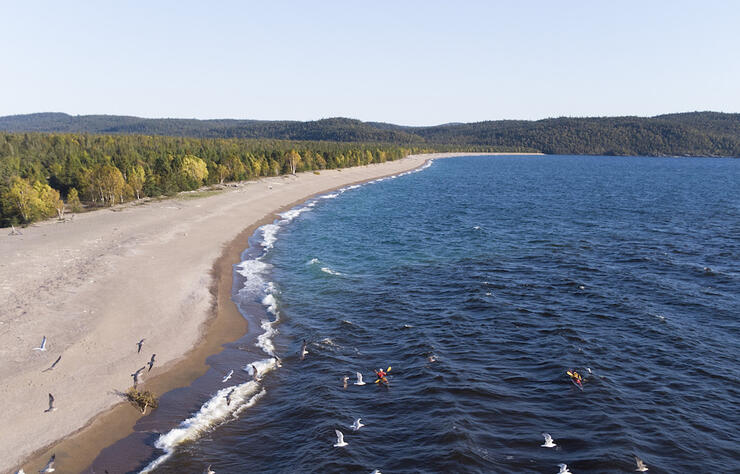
[94, 286]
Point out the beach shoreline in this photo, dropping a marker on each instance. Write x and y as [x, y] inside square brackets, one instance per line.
[213, 232]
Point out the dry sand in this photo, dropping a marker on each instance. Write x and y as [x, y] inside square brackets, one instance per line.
[96, 285]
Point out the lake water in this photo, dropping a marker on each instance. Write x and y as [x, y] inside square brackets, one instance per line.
[481, 281]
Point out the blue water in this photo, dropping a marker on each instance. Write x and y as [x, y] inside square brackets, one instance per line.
[506, 272]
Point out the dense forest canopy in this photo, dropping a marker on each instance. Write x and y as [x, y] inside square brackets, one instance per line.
[43, 175]
[686, 134]
[53, 162]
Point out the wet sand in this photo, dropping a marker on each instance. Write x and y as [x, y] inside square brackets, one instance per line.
[94, 286]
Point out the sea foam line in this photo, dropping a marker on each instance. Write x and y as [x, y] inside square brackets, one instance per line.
[214, 412]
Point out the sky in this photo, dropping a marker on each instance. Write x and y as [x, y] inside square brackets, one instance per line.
[405, 62]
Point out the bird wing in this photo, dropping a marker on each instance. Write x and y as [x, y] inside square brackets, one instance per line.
[50, 464]
[43, 343]
[51, 400]
[56, 361]
[340, 437]
[359, 377]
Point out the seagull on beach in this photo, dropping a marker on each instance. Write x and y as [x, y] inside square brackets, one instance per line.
[304, 351]
[228, 397]
[151, 363]
[340, 440]
[563, 469]
[50, 465]
[51, 404]
[344, 381]
[548, 441]
[42, 347]
[359, 379]
[357, 424]
[641, 467]
[136, 375]
[54, 364]
[140, 343]
[228, 376]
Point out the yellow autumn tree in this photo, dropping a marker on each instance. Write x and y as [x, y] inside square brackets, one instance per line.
[194, 170]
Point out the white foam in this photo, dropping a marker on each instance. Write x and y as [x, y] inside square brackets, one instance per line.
[213, 413]
[330, 196]
[269, 235]
[313, 261]
[288, 216]
[262, 366]
[330, 271]
[253, 271]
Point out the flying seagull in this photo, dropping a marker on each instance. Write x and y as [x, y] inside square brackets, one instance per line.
[140, 343]
[228, 376]
[208, 470]
[548, 441]
[340, 440]
[344, 381]
[51, 405]
[54, 364]
[151, 363]
[42, 347]
[50, 465]
[641, 467]
[136, 374]
[357, 424]
[304, 351]
[563, 469]
[228, 396]
[359, 379]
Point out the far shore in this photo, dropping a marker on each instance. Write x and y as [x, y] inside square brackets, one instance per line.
[99, 283]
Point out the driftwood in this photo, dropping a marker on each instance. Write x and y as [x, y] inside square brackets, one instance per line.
[14, 231]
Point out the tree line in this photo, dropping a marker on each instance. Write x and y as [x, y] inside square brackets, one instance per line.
[690, 134]
[43, 175]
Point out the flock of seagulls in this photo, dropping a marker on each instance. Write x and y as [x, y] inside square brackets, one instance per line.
[52, 407]
[550, 443]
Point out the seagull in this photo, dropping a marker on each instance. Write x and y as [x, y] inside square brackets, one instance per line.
[50, 465]
[151, 363]
[51, 405]
[21, 472]
[136, 374]
[54, 364]
[359, 379]
[255, 375]
[140, 343]
[357, 424]
[228, 376]
[376, 472]
[304, 351]
[228, 397]
[641, 467]
[209, 471]
[42, 347]
[548, 441]
[563, 469]
[340, 440]
[344, 381]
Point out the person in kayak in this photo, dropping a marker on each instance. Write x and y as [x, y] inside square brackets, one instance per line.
[575, 377]
[382, 377]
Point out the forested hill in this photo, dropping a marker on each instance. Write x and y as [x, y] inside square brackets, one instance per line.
[693, 134]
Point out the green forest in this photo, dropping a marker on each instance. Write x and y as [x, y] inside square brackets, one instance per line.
[685, 134]
[51, 163]
[45, 175]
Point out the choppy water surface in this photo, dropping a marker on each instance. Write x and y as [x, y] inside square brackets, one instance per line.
[508, 271]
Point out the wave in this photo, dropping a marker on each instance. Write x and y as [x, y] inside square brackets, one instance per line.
[213, 413]
[330, 271]
[313, 261]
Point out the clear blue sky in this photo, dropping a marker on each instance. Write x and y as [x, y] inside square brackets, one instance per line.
[406, 62]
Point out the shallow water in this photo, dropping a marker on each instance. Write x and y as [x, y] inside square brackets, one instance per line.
[508, 271]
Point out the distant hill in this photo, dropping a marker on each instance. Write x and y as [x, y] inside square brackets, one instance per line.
[690, 134]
